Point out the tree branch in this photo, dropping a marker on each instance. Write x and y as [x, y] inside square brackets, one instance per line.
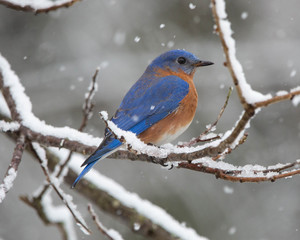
[276, 99]
[41, 156]
[43, 6]
[113, 206]
[245, 175]
[12, 170]
[203, 156]
[15, 115]
[109, 233]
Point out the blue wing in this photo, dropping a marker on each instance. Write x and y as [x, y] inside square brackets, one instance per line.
[138, 112]
[145, 104]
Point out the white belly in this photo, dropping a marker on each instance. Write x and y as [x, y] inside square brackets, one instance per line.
[167, 138]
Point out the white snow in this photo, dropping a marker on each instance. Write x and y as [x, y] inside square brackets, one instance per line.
[68, 199]
[250, 95]
[244, 15]
[247, 171]
[104, 115]
[103, 65]
[281, 93]
[136, 226]
[228, 190]
[62, 68]
[154, 213]
[192, 6]
[162, 152]
[119, 37]
[7, 183]
[9, 126]
[59, 214]
[38, 4]
[293, 73]
[24, 108]
[162, 25]
[232, 230]
[296, 99]
[113, 234]
[137, 39]
[221, 9]
[135, 118]
[170, 44]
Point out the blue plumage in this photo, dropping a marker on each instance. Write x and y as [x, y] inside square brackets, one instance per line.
[139, 112]
[152, 98]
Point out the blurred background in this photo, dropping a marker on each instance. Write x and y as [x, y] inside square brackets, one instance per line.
[56, 54]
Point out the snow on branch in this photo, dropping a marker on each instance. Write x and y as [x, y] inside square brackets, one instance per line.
[37, 6]
[20, 107]
[11, 172]
[293, 95]
[9, 126]
[223, 27]
[38, 131]
[88, 106]
[206, 136]
[111, 234]
[247, 173]
[53, 181]
[247, 95]
[223, 170]
[133, 142]
[19, 122]
[143, 216]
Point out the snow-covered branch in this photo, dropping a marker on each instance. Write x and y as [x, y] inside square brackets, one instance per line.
[142, 216]
[37, 6]
[12, 170]
[19, 122]
[111, 234]
[247, 95]
[55, 184]
[35, 132]
[247, 173]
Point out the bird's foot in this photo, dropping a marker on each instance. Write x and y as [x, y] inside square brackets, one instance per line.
[161, 161]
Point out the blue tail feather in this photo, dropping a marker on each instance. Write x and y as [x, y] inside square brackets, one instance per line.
[107, 146]
[84, 171]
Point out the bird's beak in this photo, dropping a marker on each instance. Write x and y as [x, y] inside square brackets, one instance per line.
[202, 63]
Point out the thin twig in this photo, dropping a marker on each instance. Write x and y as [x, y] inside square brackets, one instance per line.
[36, 204]
[58, 191]
[88, 105]
[209, 129]
[99, 225]
[275, 99]
[15, 116]
[86, 111]
[237, 175]
[12, 169]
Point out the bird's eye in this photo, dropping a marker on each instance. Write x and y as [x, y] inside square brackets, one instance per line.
[181, 60]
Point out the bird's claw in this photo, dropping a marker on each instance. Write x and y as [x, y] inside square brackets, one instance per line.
[171, 167]
[161, 161]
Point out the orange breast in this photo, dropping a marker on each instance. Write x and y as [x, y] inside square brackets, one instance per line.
[176, 123]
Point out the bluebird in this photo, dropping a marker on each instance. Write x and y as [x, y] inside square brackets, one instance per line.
[158, 107]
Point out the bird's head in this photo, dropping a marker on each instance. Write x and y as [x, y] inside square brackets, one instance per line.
[178, 60]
